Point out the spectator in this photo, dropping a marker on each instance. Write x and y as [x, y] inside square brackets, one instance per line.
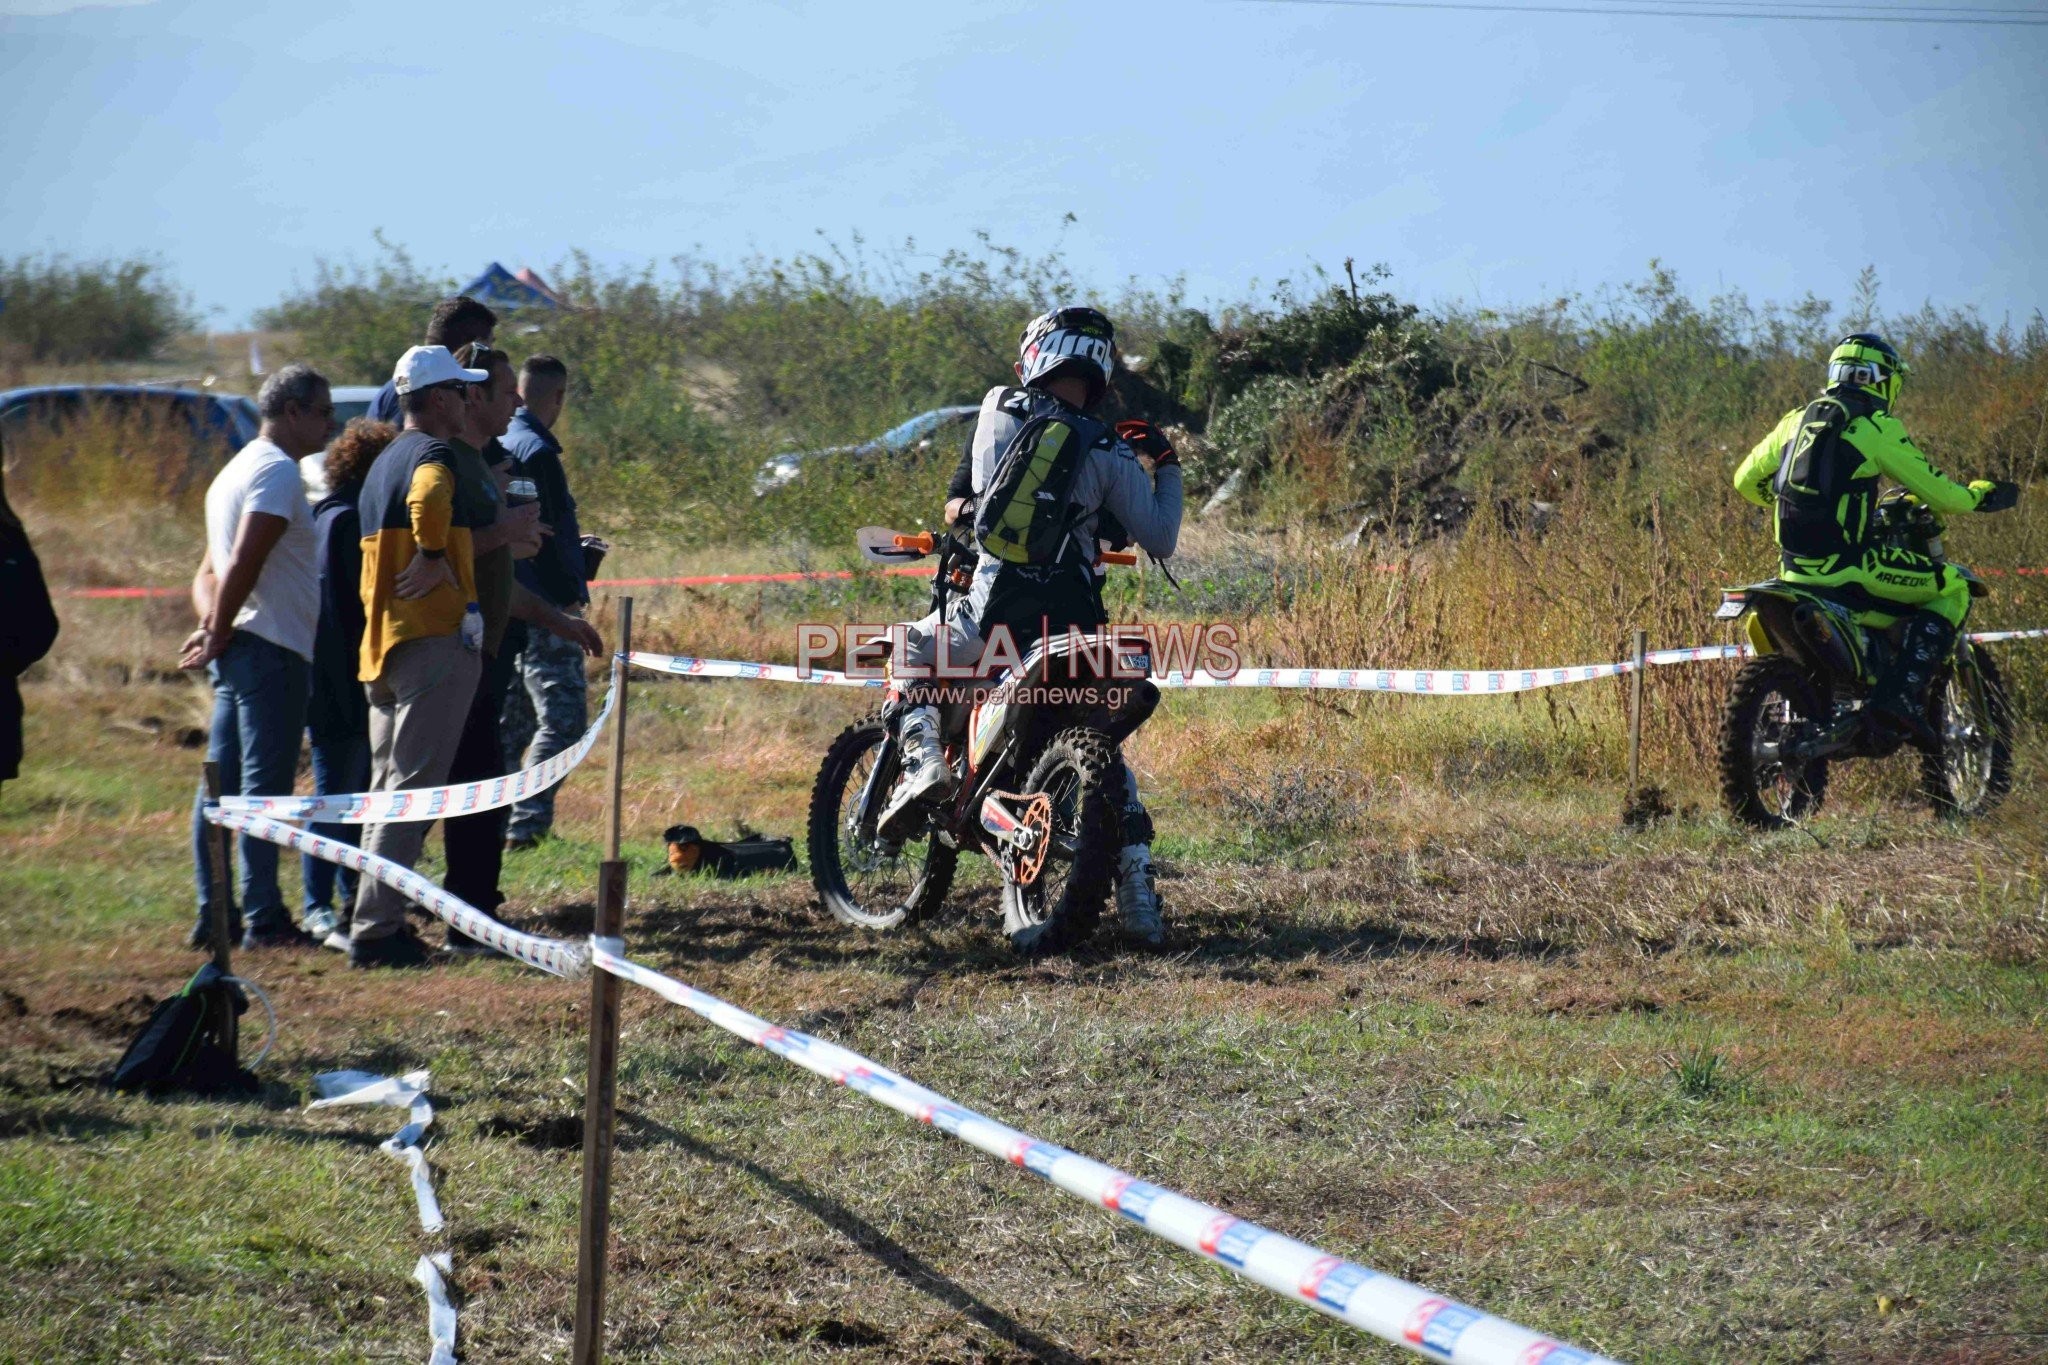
[257, 593]
[27, 628]
[422, 629]
[338, 717]
[548, 709]
[456, 323]
[475, 842]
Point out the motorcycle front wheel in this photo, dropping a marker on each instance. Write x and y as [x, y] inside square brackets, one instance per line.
[1062, 906]
[862, 880]
[1773, 701]
[1973, 771]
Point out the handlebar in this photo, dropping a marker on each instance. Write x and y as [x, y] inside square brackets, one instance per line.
[1127, 557]
[924, 542]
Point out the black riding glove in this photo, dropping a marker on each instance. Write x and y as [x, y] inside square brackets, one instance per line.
[1995, 495]
[1146, 439]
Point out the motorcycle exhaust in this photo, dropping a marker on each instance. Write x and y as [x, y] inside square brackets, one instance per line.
[1819, 635]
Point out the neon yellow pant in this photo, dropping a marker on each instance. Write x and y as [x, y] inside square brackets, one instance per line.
[1889, 584]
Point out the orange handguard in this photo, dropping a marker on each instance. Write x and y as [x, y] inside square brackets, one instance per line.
[924, 542]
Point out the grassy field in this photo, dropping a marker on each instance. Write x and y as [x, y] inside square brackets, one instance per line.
[1680, 1093]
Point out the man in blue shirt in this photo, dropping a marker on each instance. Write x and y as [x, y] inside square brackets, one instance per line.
[456, 323]
[547, 710]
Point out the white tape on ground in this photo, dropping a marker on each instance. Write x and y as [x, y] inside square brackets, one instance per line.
[426, 803]
[1392, 1309]
[440, 1312]
[549, 954]
[408, 1092]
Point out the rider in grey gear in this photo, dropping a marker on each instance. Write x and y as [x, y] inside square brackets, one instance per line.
[1065, 361]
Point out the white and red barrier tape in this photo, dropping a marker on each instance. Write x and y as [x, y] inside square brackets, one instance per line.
[1435, 682]
[426, 803]
[551, 955]
[1391, 1308]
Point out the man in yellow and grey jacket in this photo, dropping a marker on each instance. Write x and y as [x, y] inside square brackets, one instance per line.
[1820, 468]
[422, 628]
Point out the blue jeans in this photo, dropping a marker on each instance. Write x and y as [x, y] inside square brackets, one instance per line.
[341, 764]
[259, 712]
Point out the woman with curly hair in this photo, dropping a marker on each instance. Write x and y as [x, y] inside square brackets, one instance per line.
[338, 715]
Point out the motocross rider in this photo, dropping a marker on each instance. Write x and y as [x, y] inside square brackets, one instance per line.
[1065, 359]
[1820, 467]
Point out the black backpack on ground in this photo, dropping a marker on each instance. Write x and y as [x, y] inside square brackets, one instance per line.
[689, 851]
[180, 1049]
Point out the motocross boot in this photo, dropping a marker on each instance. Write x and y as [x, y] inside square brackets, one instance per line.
[927, 777]
[1137, 898]
[1898, 703]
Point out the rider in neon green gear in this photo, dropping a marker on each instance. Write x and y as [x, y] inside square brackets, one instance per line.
[1820, 468]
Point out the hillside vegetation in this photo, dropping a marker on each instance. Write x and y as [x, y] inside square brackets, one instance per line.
[1545, 479]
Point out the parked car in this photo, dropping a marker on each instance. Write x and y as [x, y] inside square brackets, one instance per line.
[918, 433]
[350, 401]
[184, 434]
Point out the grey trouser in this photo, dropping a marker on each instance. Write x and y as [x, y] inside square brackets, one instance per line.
[921, 639]
[417, 709]
[546, 711]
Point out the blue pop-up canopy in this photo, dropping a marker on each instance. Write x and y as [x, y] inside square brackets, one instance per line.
[507, 292]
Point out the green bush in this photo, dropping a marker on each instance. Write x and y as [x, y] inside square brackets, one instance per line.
[1335, 397]
[53, 309]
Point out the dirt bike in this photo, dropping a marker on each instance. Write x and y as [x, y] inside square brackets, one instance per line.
[1037, 781]
[1788, 717]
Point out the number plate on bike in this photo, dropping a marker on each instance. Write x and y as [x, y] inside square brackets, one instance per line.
[1731, 607]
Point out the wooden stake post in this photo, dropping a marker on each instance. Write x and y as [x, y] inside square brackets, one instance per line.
[600, 1091]
[1635, 715]
[221, 862]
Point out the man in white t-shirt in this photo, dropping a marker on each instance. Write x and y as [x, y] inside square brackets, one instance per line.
[257, 593]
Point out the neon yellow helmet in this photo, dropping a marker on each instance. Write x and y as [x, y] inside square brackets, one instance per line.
[1869, 362]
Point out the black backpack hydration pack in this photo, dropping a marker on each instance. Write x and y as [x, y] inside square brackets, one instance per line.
[1824, 506]
[1026, 511]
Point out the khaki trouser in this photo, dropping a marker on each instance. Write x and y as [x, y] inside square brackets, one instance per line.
[417, 708]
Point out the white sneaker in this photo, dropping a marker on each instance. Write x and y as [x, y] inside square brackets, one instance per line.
[1137, 898]
[926, 774]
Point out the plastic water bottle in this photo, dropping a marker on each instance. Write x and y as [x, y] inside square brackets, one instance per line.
[473, 628]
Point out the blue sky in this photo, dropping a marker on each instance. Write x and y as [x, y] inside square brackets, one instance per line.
[1497, 159]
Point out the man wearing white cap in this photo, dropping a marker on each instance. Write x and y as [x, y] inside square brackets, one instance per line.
[422, 631]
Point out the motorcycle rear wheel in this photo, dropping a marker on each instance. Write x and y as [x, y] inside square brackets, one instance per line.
[1061, 908]
[1973, 771]
[861, 880]
[1770, 696]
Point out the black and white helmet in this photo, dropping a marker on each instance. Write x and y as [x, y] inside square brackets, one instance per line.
[1068, 341]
